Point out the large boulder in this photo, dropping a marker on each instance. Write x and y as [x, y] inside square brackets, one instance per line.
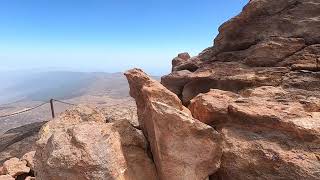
[68, 119]
[267, 131]
[182, 147]
[81, 146]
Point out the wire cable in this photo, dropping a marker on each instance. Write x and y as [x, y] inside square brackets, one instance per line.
[23, 111]
[63, 102]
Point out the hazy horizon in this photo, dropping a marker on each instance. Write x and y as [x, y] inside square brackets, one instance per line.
[107, 36]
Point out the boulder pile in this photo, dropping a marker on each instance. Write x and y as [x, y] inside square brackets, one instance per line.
[246, 108]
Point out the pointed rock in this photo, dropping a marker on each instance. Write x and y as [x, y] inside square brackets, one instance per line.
[144, 90]
[182, 147]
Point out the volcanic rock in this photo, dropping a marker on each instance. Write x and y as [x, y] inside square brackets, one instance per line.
[68, 119]
[268, 130]
[144, 90]
[182, 147]
[259, 87]
[80, 145]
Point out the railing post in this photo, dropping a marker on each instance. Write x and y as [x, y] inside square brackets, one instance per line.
[52, 109]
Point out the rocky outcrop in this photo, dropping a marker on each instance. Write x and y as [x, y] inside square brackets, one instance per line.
[259, 87]
[267, 41]
[262, 19]
[267, 131]
[80, 145]
[182, 147]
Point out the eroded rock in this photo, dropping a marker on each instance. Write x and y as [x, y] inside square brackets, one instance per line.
[85, 147]
[182, 147]
[267, 131]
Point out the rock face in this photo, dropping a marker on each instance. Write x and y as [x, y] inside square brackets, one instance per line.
[267, 131]
[80, 145]
[279, 36]
[182, 147]
[262, 19]
[259, 87]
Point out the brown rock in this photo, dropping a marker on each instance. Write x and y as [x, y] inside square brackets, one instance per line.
[1, 171]
[145, 90]
[262, 19]
[272, 51]
[268, 131]
[6, 177]
[181, 58]
[93, 150]
[182, 147]
[212, 106]
[15, 167]
[266, 154]
[230, 76]
[266, 60]
[29, 158]
[69, 118]
[308, 55]
[176, 81]
[184, 56]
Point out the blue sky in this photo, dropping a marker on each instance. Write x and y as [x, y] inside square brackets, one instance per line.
[107, 35]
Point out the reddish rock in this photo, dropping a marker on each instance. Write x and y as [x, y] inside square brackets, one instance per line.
[272, 51]
[180, 59]
[267, 130]
[145, 90]
[78, 145]
[307, 56]
[261, 19]
[182, 147]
